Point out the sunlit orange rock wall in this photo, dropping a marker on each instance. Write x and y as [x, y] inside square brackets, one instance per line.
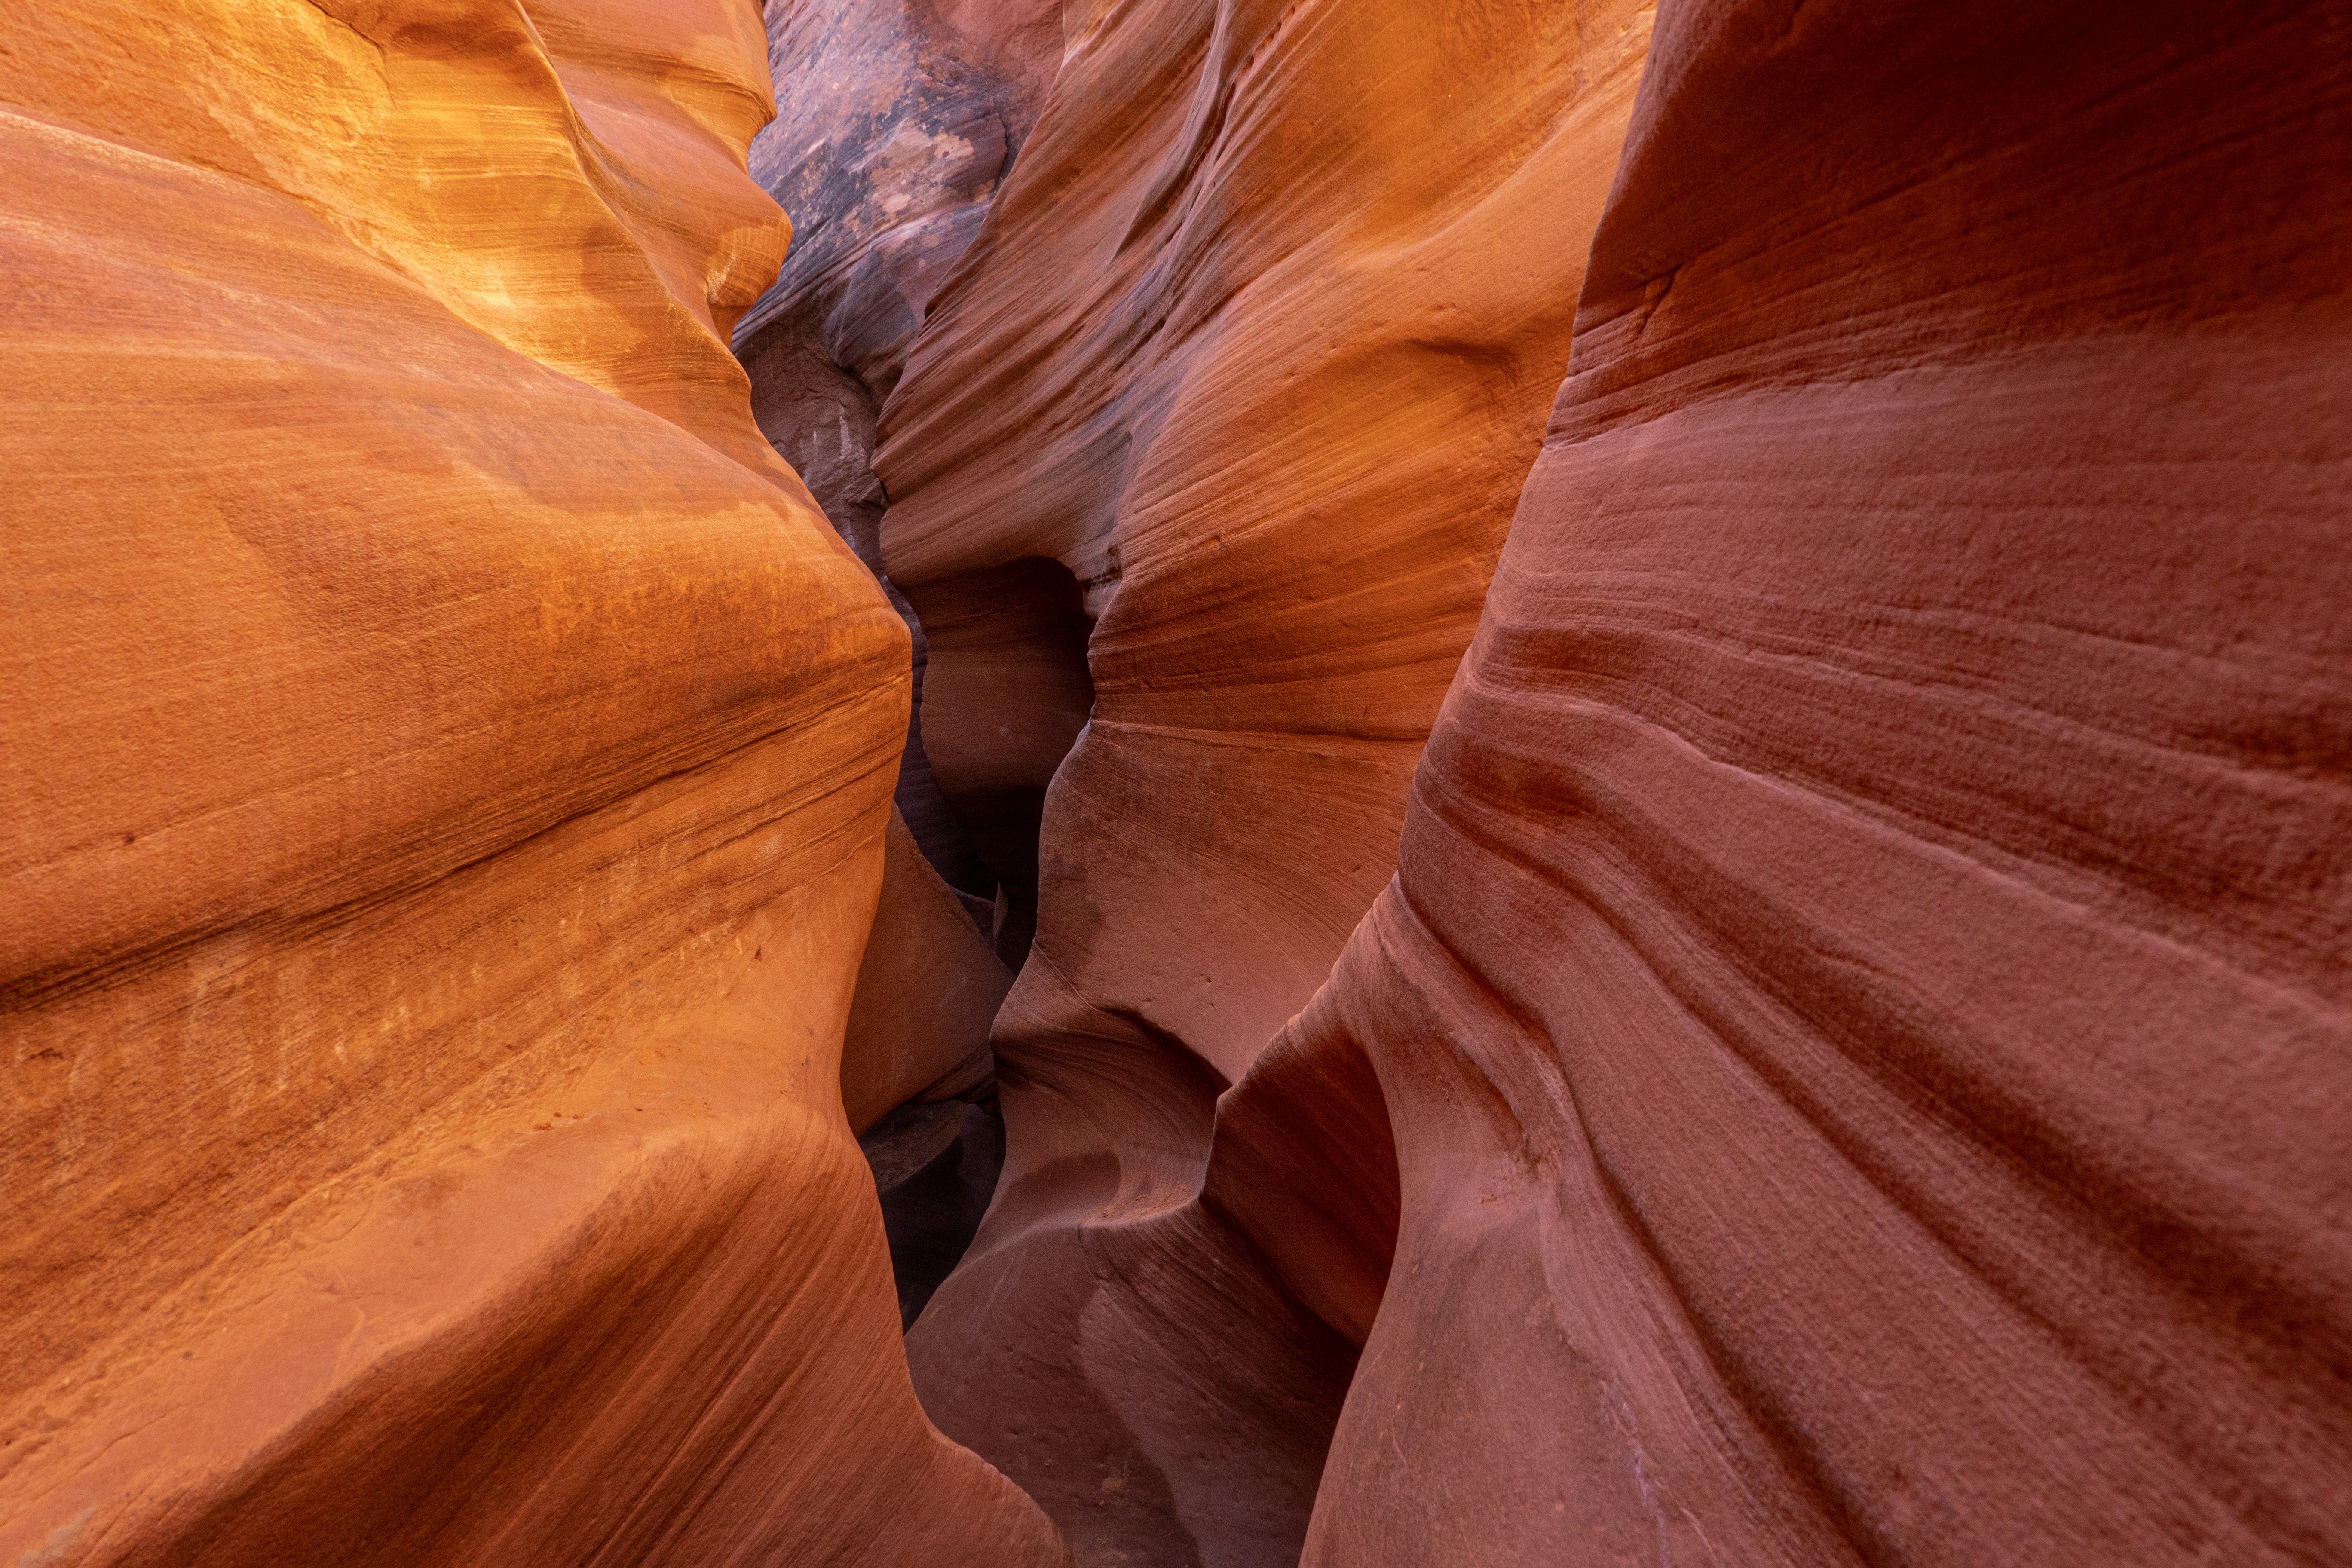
[1196, 475]
[1863, 1008]
[446, 774]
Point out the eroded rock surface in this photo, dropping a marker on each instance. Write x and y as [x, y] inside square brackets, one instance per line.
[928, 989]
[1198, 471]
[1848, 1059]
[448, 768]
[1864, 1006]
[1852, 1064]
[896, 121]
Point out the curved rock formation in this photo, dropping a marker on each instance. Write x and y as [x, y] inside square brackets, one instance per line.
[895, 123]
[447, 771]
[1849, 1059]
[1197, 472]
[1855, 1064]
[928, 989]
[1863, 1008]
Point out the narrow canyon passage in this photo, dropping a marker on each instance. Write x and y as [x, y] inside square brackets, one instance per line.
[1209, 783]
[1672, 1065]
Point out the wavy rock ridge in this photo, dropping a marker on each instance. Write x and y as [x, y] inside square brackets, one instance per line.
[448, 777]
[1761, 972]
[1880, 879]
[1197, 473]
[1851, 1063]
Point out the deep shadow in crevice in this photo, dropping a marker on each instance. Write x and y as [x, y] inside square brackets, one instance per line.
[820, 419]
[935, 1168]
[1007, 692]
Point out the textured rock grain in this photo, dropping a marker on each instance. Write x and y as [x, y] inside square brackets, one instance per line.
[1863, 1010]
[1851, 1066]
[1198, 471]
[448, 762]
[895, 123]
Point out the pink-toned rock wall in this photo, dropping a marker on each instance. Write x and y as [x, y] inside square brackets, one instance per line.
[1849, 1057]
[1197, 473]
[1851, 1066]
[447, 760]
[1863, 1010]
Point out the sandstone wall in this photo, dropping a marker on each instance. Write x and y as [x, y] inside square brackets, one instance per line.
[896, 121]
[1197, 473]
[448, 770]
[1849, 1059]
[1851, 1065]
[1864, 1006]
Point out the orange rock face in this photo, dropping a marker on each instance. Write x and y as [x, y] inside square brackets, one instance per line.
[1197, 474]
[1256, 352]
[1853, 1065]
[928, 989]
[446, 778]
[1799, 1012]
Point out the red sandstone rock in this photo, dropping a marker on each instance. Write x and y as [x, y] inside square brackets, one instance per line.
[896, 124]
[1198, 471]
[928, 988]
[935, 1169]
[1863, 1008]
[446, 772]
[1853, 1064]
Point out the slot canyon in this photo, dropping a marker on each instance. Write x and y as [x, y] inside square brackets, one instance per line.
[1187, 783]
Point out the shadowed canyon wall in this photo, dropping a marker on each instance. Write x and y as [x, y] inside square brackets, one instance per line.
[1197, 474]
[1851, 1065]
[448, 781]
[896, 121]
[1863, 1007]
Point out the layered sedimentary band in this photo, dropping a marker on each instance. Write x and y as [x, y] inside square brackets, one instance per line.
[1761, 972]
[1197, 473]
[1851, 1065]
[447, 771]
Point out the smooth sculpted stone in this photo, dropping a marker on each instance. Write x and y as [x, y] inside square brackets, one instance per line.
[447, 777]
[895, 123]
[928, 989]
[1866, 1007]
[1197, 472]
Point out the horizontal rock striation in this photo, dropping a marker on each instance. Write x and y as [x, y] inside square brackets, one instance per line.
[447, 772]
[1851, 1065]
[1797, 1012]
